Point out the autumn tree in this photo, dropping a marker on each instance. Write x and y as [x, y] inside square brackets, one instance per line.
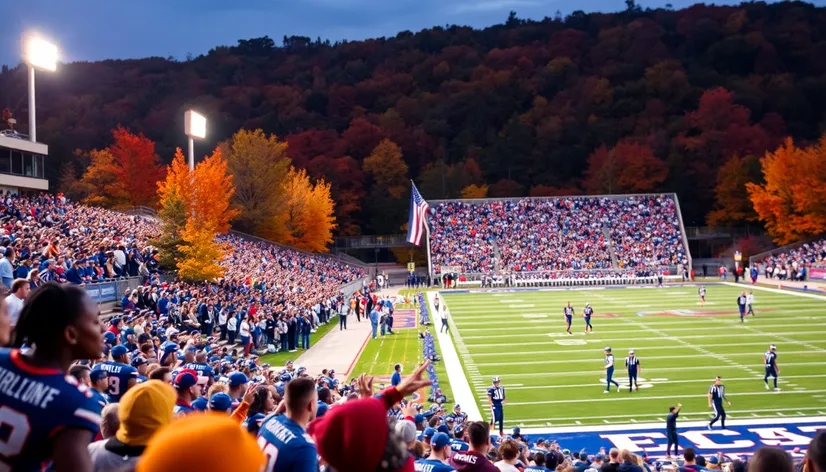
[259, 167]
[99, 182]
[628, 167]
[309, 219]
[174, 194]
[68, 183]
[791, 201]
[389, 193]
[732, 204]
[137, 168]
[475, 191]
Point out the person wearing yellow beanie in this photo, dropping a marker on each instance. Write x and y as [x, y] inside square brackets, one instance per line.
[143, 410]
[230, 447]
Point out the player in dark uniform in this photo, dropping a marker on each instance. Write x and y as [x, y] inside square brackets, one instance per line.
[586, 313]
[671, 430]
[716, 397]
[741, 305]
[772, 369]
[45, 413]
[569, 316]
[497, 400]
[609, 370]
[122, 376]
[632, 363]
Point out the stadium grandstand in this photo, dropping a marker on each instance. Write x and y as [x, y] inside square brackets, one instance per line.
[547, 239]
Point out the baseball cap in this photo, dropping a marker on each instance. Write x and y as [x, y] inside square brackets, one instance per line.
[186, 378]
[109, 337]
[429, 432]
[600, 457]
[443, 429]
[220, 402]
[200, 404]
[407, 430]
[439, 440]
[138, 361]
[238, 378]
[97, 374]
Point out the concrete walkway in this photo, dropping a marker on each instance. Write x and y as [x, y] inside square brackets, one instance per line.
[340, 349]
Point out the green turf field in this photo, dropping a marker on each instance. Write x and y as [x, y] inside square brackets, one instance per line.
[553, 379]
[405, 348]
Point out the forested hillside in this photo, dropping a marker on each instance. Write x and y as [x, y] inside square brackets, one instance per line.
[592, 103]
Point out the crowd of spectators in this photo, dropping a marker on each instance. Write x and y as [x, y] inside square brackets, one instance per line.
[557, 234]
[795, 263]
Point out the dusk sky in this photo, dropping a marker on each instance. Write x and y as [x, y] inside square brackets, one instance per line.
[88, 30]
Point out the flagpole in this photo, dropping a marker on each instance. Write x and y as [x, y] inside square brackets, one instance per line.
[429, 262]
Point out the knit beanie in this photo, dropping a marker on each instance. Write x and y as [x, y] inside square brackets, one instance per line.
[143, 410]
[175, 447]
[359, 425]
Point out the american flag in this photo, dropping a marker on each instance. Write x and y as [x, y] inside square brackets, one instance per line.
[418, 211]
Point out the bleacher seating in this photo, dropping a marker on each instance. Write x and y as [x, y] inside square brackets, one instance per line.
[557, 234]
[794, 263]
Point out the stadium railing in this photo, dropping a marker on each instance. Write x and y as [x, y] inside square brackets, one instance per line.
[569, 278]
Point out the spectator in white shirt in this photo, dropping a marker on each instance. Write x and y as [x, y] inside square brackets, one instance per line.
[14, 302]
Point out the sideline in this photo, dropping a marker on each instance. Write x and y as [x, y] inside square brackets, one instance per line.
[659, 425]
[462, 393]
[774, 290]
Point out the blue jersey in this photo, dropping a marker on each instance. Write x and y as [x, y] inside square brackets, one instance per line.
[458, 445]
[35, 405]
[496, 395]
[459, 418]
[537, 468]
[119, 377]
[99, 397]
[286, 446]
[396, 379]
[203, 370]
[771, 360]
[181, 409]
[431, 465]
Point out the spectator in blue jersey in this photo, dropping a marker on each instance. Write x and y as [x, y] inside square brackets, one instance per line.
[122, 376]
[7, 268]
[142, 411]
[95, 380]
[63, 323]
[282, 436]
[538, 464]
[220, 403]
[203, 443]
[396, 378]
[374, 322]
[439, 452]
[186, 385]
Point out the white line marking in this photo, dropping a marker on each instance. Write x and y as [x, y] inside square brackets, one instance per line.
[592, 350]
[655, 381]
[652, 415]
[597, 360]
[656, 369]
[644, 426]
[663, 397]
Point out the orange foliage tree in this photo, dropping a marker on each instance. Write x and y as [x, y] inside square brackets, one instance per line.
[629, 167]
[137, 167]
[195, 207]
[98, 183]
[732, 204]
[791, 201]
[309, 218]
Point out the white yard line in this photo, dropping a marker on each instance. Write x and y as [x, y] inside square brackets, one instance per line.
[733, 324]
[658, 415]
[774, 290]
[668, 382]
[620, 331]
[599, 361]
[663, 397]
[656, 369]
[592, 350]
[661, 338]
[657, 426]
[462, 393]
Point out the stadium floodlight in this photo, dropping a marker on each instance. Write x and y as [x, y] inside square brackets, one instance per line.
[38, 54]
[194, 127]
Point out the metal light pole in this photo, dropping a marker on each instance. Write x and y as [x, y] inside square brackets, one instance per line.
[194, 127]
[38, 54]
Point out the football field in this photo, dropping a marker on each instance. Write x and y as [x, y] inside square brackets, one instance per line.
[553, 379]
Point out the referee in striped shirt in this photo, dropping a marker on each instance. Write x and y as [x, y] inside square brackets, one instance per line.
[632, 363]
[716, 397]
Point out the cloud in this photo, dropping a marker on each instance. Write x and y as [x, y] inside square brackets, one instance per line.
[494, 5]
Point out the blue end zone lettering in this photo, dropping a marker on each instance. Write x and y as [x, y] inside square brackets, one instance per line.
[742, 437]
